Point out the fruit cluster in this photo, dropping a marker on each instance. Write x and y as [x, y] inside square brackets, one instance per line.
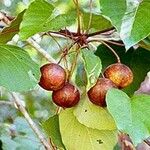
[115, 76]
[53, 78]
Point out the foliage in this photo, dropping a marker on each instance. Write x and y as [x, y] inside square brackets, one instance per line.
[84, 37]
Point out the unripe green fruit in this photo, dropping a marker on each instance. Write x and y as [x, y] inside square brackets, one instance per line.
[66, 97]
[120, 74]
[98, 92]
[53, 77]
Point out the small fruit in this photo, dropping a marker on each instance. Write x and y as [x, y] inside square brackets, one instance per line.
[66, 97]
[98, 92]
[53, 77]
[120, 74]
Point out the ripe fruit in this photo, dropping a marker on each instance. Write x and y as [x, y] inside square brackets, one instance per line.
[53, 77]
[66, 97]
[98, 92]
[120, 74]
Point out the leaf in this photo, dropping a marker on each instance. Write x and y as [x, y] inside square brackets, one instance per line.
[61, 21]
[123, 109]
[114, 11]
[76, 136]
[98, 22]
[132, 58]
[51, 127]
[81, 79]
[39, 17]
[131, 115]
[92, 66]
[18, 71]
[8, 143]
[131, 19]
[8, 33]
[93, 116]
[138, 24]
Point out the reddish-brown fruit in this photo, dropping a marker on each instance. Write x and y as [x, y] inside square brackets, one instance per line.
[53, 77]
[66, 97]
[98, 92]
[120, 74]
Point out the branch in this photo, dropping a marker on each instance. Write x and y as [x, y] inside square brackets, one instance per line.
[6, 19]
[41, 50]
[6, 103]
[147, 142]
[30, 121]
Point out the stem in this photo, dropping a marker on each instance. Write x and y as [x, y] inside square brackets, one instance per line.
[41, 50]
[6, 103]
[55, 40]
[113, 51]
[100, 32]
[147, 142]
[66, 53]
[115, 43]
[78, 14]
[73, 64]
[106, 41]
[30, 122]
[6, 19]
[58, 109]
[90, 19]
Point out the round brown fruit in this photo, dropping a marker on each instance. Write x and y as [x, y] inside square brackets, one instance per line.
[66, 97]
[120, 74]
[98, 92]
[53, 77]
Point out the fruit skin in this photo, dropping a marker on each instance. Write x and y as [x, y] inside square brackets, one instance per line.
[66, 97]
[97, 93]
[53, 77]
[120, 74]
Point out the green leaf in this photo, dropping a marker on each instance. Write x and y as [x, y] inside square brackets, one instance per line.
[35, 17]
[18, 71]
[131, 19]
[76, 136]
[141, 112]
[81, 79]
[132, 58]
[8, 33]
[131, 115]
[98, 22]
[123, 109]
[51, 127]
[138, 24]
[39, 17]
[93, 116]
[61, 21]
[114, 11]
[92, 65]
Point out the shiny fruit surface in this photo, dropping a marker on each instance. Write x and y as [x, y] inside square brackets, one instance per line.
[120, 74]
[53, 77]
[98, 92]
[66, 97]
